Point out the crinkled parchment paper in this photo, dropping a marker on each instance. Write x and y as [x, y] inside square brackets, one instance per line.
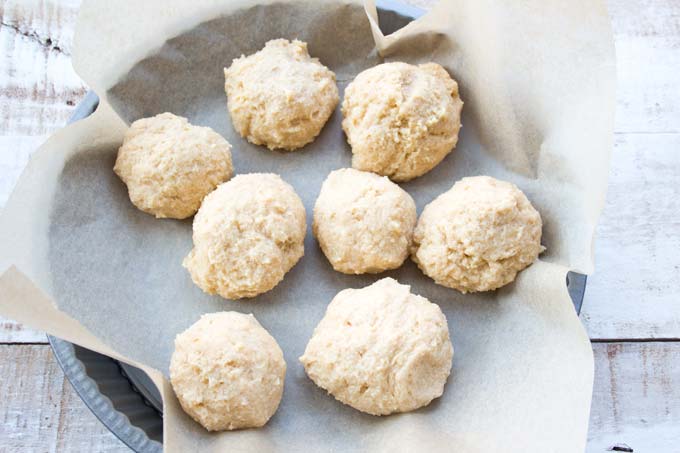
[537, 78]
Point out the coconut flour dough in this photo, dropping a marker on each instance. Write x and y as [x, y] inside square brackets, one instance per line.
[248, 233]
[228, 372]
[364, 222]
[401, 120]
[280, 97]
[380, 349]
[478, 235]
[170, 165]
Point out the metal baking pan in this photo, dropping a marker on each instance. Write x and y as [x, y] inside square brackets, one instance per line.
[122, 397]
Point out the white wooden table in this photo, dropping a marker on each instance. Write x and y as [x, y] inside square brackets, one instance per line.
[632, 304]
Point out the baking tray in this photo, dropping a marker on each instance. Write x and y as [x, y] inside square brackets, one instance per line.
[122, 397]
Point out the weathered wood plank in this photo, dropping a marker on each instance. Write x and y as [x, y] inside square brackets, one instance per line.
[636, 397]
[647, 37]
[38, 86]
[635, 291]
[40, 412]
[12, 332]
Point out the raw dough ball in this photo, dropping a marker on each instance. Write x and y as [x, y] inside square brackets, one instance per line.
[170, 165]
[280, 97]
[381, 349]
[248, 233]
[364, 222]
[401, 120]
[478, 235]
[227, 372]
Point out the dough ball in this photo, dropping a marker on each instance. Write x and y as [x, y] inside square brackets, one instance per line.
[401, 120]
[380, 349]
[248, 233]
[227, 372]
[478, 235]
[170, 165]
[364, 222]
[280, 97]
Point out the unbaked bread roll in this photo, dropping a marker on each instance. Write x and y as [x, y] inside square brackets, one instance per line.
[401, 120]
[248, 233]
[170, 165]
[280, 97]
[227, 372]
[364, 222]
[478, 235]
[380, 349]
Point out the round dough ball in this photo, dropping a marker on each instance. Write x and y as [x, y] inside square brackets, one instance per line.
[248, 233]
[170, 165]
[227, 372]
[401, 120]
[364, 222]
[478, 235]
[380, 349]
[280, 97]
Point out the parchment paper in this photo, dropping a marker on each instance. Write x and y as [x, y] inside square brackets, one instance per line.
[537, 78]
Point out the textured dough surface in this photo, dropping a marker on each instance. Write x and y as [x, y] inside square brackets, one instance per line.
[227, 372]
[478, 235]
[380, 349]
[170, 165]
[248, 233]
[363, 222]
[280, 97]
[401, 120]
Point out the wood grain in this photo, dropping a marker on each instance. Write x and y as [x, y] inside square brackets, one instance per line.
[647, 37]
[635, 291]
[40, 412]
[636, 397]
[39, 86]
[38, 92]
